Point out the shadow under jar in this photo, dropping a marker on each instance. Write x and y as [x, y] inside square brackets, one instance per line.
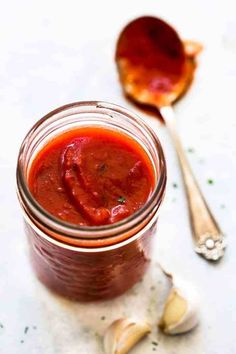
[82, 262]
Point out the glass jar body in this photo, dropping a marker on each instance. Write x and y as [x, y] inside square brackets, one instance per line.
[90, 263]
[88, 274]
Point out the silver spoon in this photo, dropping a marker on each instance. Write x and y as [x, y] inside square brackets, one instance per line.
[155, 69]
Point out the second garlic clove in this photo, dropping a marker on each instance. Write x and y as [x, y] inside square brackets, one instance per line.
[181, 310]
[123, 334]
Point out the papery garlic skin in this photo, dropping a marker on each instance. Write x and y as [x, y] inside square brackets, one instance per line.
[123, 334]
[181, 311]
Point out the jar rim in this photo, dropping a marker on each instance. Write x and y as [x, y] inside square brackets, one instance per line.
[69, 229]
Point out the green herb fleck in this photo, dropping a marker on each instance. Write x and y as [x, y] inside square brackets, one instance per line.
[121, 200]
[26, 329]
[154, 349]
[103, 318]
[155, 343]
[175, 185]
[22, 341]
[1, 325]
[210, 181]
[102, 168]
[152, 288]
[191, 150]
[222, 206]
[173, 200]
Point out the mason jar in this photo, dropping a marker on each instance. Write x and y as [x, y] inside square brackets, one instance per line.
[88, 263]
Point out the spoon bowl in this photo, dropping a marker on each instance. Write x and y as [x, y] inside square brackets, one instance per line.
[152, 63]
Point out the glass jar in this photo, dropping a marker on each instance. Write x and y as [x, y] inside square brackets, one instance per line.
[86, 262]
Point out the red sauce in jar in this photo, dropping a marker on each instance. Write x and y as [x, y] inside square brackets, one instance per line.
[92, 176]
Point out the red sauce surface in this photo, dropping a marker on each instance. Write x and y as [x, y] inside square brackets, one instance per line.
[91, 176]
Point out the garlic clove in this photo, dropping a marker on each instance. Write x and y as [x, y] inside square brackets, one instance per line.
[123, 334]
[113, 334]
[181, 310]
[175, 308]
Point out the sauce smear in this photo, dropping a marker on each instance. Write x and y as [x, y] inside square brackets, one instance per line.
[92, 176]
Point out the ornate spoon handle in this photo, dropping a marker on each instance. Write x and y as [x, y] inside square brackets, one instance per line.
[208, 238]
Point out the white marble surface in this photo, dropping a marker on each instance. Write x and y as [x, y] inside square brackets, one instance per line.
[54, 52]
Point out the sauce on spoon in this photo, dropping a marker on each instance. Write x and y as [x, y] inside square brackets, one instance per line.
[155, 66]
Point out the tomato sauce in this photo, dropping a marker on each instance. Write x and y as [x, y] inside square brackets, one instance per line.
[92, 176]
[154, 65]
[151, 43]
